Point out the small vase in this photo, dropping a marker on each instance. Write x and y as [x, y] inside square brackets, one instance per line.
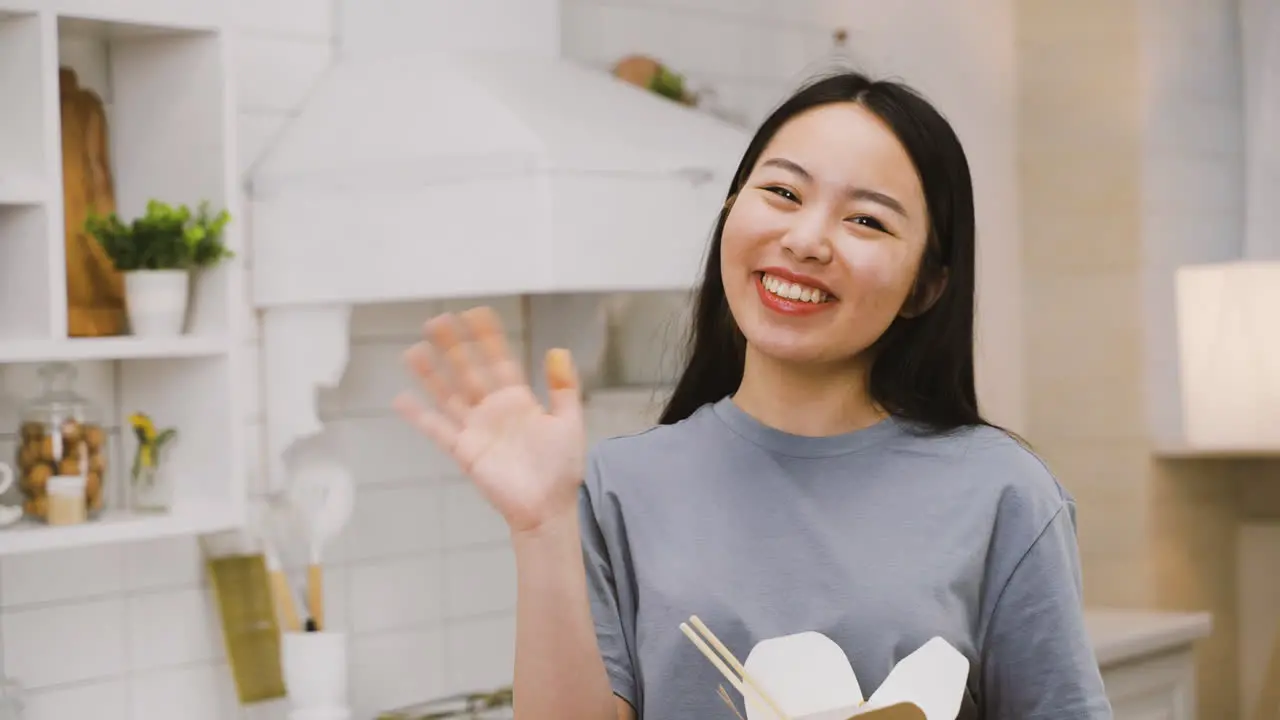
[157, 301]
[152, 489]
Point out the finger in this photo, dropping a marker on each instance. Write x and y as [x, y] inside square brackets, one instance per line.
[434, 425]
[446, 398]
[491, 340]
[444, 335]
[564, 393]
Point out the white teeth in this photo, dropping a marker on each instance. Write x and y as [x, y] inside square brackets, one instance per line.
[793, 291]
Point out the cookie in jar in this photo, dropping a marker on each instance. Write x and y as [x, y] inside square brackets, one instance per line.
[60, 435]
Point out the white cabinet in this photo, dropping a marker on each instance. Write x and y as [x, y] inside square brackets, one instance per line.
[1148, 661]
[1153, 688]
[162, 72]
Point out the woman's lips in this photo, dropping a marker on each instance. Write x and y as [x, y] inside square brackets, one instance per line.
[791, 298]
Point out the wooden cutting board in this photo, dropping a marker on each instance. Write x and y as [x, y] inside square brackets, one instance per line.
[95, 291]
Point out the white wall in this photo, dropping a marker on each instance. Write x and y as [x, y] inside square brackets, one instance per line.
[1193, 184]
[394, 27]
[1260, 25]
[423, 577]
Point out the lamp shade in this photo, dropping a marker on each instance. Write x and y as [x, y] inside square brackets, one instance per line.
[1228, 319]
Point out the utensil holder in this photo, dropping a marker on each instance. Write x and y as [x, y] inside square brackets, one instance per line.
[315, 675]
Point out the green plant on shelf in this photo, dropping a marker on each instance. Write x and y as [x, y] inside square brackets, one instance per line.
[165, 237]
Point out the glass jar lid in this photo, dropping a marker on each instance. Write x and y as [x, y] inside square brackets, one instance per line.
[58, 399]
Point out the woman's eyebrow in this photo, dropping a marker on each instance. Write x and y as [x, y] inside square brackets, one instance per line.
[854, 193]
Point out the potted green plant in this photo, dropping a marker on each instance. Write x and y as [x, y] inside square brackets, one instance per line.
[157, 254]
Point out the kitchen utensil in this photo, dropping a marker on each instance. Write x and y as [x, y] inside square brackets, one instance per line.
[324, 494]
[271, 517]
[281, 591]
[738, 676]
[95, 289]
[724, 695]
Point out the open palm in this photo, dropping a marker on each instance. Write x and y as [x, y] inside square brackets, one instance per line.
[527, 460]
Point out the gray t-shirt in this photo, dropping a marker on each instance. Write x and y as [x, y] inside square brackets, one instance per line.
[879, 539]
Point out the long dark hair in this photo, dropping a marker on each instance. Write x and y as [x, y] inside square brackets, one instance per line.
[923, 365]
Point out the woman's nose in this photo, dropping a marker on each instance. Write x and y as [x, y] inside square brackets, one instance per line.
[808, 239]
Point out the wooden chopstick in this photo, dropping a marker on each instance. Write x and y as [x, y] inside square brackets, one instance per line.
[719, 646]
[743, 678]
[724, 695]
[737, 666]
[734, 680]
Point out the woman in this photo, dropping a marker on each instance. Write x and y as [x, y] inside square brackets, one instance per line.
[822, 463]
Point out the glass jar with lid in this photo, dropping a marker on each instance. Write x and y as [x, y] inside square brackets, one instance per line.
[60, 436]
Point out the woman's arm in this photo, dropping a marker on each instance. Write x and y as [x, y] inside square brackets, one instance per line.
[527, 460]
[560, 674]
[1037, 661]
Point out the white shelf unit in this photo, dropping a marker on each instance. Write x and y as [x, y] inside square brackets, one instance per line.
[169, 103]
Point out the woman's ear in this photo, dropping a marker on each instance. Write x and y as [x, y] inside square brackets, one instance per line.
[925, 294]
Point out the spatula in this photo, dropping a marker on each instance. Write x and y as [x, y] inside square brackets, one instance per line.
[324, 495]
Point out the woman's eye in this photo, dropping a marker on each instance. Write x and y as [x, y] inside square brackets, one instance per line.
[868, 221]
[783, 193]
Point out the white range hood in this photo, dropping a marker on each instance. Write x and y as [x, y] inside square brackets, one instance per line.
[446, 175]
[466, 169]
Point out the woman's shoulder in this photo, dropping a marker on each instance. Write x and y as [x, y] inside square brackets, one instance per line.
[995, 477]
[1025, 484]
[992, 463]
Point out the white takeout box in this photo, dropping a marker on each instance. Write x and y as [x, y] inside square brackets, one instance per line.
[809, 677]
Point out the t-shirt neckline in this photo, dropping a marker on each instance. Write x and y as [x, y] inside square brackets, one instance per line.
[785, 443]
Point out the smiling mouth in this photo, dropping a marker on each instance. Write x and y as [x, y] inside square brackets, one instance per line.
[793, 291]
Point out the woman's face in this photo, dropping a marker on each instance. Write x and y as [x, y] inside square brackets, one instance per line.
[821, 246]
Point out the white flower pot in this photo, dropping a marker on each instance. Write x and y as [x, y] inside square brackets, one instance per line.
[157, 301]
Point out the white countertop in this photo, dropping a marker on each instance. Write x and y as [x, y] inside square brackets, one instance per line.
[1119, 636]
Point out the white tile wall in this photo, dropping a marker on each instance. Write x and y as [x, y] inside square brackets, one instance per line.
[422, 579]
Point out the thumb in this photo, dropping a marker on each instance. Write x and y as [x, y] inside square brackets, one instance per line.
[563, 391]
